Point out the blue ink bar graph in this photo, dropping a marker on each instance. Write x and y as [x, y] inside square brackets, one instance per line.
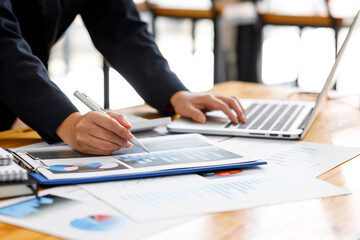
[224, 190]
[164, 201]
[34, 206]
[295, 156]
[176, 157]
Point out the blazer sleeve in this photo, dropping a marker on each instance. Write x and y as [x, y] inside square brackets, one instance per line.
[25, 86]
[123, 39]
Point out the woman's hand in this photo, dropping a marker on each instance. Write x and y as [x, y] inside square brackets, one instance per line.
[95, 133]
[194, 105]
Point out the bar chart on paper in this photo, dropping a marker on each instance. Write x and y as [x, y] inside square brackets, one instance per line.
[176, 157]
[164, 201]
[311, 159]
[295, 156]
[302, 158]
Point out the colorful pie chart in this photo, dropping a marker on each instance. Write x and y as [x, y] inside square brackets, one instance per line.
[226, 173]
[103, 165]
[63, 168]
[98, 223]
[221, 173]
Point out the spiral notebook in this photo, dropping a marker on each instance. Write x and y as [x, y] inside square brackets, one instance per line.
[9, 171]
[12, 173]
[5, 157]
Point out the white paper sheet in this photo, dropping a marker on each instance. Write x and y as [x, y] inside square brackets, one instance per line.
[72, 213]
[167, 200]
[299, 157]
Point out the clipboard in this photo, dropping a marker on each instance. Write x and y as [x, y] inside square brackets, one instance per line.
[43, 181]
[170, 155]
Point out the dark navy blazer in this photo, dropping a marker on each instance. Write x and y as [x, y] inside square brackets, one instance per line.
[28, 30]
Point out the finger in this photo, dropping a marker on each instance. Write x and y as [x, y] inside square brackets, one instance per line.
[196, 114]
[120, 118]
[110, 137]
[104, 144]
[93, 148]
[99, 137]
[111, 125]
[236, 106]
[238, 100]
[217, 104]
[243, 110]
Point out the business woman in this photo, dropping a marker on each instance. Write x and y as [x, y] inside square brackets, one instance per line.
[28, 30]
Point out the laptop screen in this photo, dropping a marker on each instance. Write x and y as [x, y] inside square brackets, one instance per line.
[344, 61]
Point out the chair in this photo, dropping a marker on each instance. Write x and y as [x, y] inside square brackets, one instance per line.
[218, 11]
[141, 6]
[186, 10]
[321, 17]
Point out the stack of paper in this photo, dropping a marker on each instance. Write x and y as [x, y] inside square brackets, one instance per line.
[139, 207]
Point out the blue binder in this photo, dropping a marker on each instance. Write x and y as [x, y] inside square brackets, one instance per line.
[46, 182]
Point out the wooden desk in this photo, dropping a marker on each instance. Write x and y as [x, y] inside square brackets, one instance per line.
[329, 218]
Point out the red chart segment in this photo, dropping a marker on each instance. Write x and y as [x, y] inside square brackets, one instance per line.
[98, 223]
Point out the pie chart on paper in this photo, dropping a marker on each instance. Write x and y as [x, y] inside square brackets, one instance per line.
[98, 223]
[63, 168]
[103, 165]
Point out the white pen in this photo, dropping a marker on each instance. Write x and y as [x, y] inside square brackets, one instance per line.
[95, 107]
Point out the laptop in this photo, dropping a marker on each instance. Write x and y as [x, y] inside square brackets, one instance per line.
[274, 119]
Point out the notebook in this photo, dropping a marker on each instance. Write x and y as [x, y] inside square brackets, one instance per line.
[9, 171]
[12, 173]
[275, 119]
[5, 157]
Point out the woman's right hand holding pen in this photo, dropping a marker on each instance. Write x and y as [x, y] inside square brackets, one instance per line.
[95, 133]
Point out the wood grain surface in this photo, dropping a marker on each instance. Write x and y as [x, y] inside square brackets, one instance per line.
[328, 218]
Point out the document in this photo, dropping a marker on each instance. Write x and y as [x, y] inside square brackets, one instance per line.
[171, 152]
[298, 157]
[168, 199]
[72, 213]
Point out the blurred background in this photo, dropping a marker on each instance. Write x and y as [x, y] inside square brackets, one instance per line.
[284, 42]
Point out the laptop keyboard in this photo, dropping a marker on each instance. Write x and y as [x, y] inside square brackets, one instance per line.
[284, 119]
[252, 117]
[265, 116]
[273, 119]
